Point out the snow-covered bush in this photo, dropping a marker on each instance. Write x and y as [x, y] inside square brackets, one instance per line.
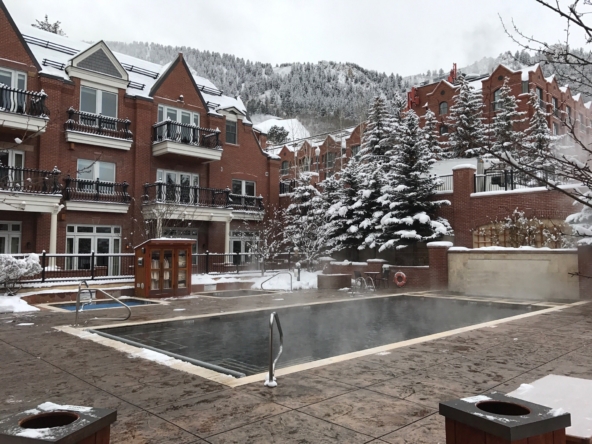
[12, 270]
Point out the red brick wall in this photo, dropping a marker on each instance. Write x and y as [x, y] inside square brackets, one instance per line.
[585, 270]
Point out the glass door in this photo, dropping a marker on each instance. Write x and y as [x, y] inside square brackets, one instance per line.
[103, 247]
[155, 270]
[84, 247]
[3, 244]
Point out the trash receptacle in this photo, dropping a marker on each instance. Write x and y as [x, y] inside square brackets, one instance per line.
[497, 418]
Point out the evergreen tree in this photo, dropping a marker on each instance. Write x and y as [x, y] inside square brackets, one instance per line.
[409, 191]
[430, 135]
[467, 131]
[507, 138]
[538, 142]
[50, 27]
[304, 226]
[344, 216]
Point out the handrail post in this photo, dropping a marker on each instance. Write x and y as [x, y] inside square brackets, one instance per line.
[270, 380]
[207, 261]
[43, 265]
[92, 264]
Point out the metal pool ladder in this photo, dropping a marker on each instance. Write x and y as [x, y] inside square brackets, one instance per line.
[277, 274]
[85, 296]
[270, 380]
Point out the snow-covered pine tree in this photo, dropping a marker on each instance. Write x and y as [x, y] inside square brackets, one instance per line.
[430, 135]
[508, 139]
[377, 140]
[409, 190]
[344, 216]
[304, 227]
[467, 131]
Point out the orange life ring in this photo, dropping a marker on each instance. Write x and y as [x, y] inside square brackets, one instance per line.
[400, 279]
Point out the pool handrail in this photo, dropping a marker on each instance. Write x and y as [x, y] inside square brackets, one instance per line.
[277, 274]
[90, 290]
[271, 381]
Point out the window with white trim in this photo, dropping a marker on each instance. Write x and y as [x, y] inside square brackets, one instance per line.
[102, 239]
[90, 171]
[241, 244]
[497, 105]
[12, 158]
[285, 168]
[330, 160]
[177, 115]
[179, 187]
[13, 79]
[231, 136]
[355, 150]
[10, 237]
[243, 187]
[97, 101]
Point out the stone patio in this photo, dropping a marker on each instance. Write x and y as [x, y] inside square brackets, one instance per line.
[389, 398]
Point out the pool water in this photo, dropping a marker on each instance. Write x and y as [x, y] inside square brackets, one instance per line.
[101, 304]
[240, 342]
[236, 293]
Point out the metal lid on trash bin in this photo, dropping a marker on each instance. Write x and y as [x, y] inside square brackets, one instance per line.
[503, 416]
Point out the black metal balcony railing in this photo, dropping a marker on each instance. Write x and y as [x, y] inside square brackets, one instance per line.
[509, 180]
[246, 203]
[287, 187]
[98, 124]
[19, 101]
[95, 191]
[161, 192]
[186, 134]
[26, 180]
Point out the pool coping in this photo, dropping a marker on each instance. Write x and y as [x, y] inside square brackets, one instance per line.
[231, 381]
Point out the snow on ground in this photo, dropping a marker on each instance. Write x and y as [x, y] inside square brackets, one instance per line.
[14, 304]
[308, 280]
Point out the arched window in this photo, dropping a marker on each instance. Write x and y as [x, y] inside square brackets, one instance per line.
[443, 108]
[497, 105]
[443, 129]
[285, 167]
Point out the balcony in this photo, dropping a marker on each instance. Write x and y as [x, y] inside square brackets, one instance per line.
[23, 110]
[174, 201]
[25, 189]
[170, 137]
[98, 130]
[247, 207]
[96, 195]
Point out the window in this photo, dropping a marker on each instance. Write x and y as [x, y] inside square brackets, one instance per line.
[243, 187]
[285, 168]
[84, 239]
[12, 177]
[443, 129]
[330, 160]
[568, 114]
[177, 115]
[555, 107]
[241, 244]
[96, 101]
[12, 158]
[95, 170]
[13, 79]
[305, 162]
[555, 129]
[179, 186]
[443, 108]
[525, 87]
[497, 105]
[231, 132]
[10, 237]
[539, 93]
[355, 151]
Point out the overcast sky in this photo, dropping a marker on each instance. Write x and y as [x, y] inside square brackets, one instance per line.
[392, 36]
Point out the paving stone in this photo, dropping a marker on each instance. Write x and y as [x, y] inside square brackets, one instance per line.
[429, 430]
[217, 412]
[368, 412]
[295, 391]
[356, 372]
[144, 428]
[291, 427]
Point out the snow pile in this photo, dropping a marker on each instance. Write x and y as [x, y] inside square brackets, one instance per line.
[563, 394]
[12, 269]
[14, 304]
[308, 280]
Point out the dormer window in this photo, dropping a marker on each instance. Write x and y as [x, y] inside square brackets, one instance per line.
[13, 79]
[231, 132]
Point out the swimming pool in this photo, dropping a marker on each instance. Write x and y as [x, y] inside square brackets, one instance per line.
[239, 342]
[106, 303]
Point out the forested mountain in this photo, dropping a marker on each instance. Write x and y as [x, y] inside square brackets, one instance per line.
[324, 96]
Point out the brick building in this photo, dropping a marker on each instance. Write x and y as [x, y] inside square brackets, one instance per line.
[559, 101]
[96, 147]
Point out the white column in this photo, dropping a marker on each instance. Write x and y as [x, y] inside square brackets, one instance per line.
[53, 233]
[227, 236]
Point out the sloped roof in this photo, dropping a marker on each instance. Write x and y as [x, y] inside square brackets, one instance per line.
[62, 50]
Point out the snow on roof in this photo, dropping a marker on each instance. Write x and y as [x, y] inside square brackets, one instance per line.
[577, 97]
[74, 47]
[588, 104]
[528, 69]
[550, 78]
[296, 130]
[563, 88]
